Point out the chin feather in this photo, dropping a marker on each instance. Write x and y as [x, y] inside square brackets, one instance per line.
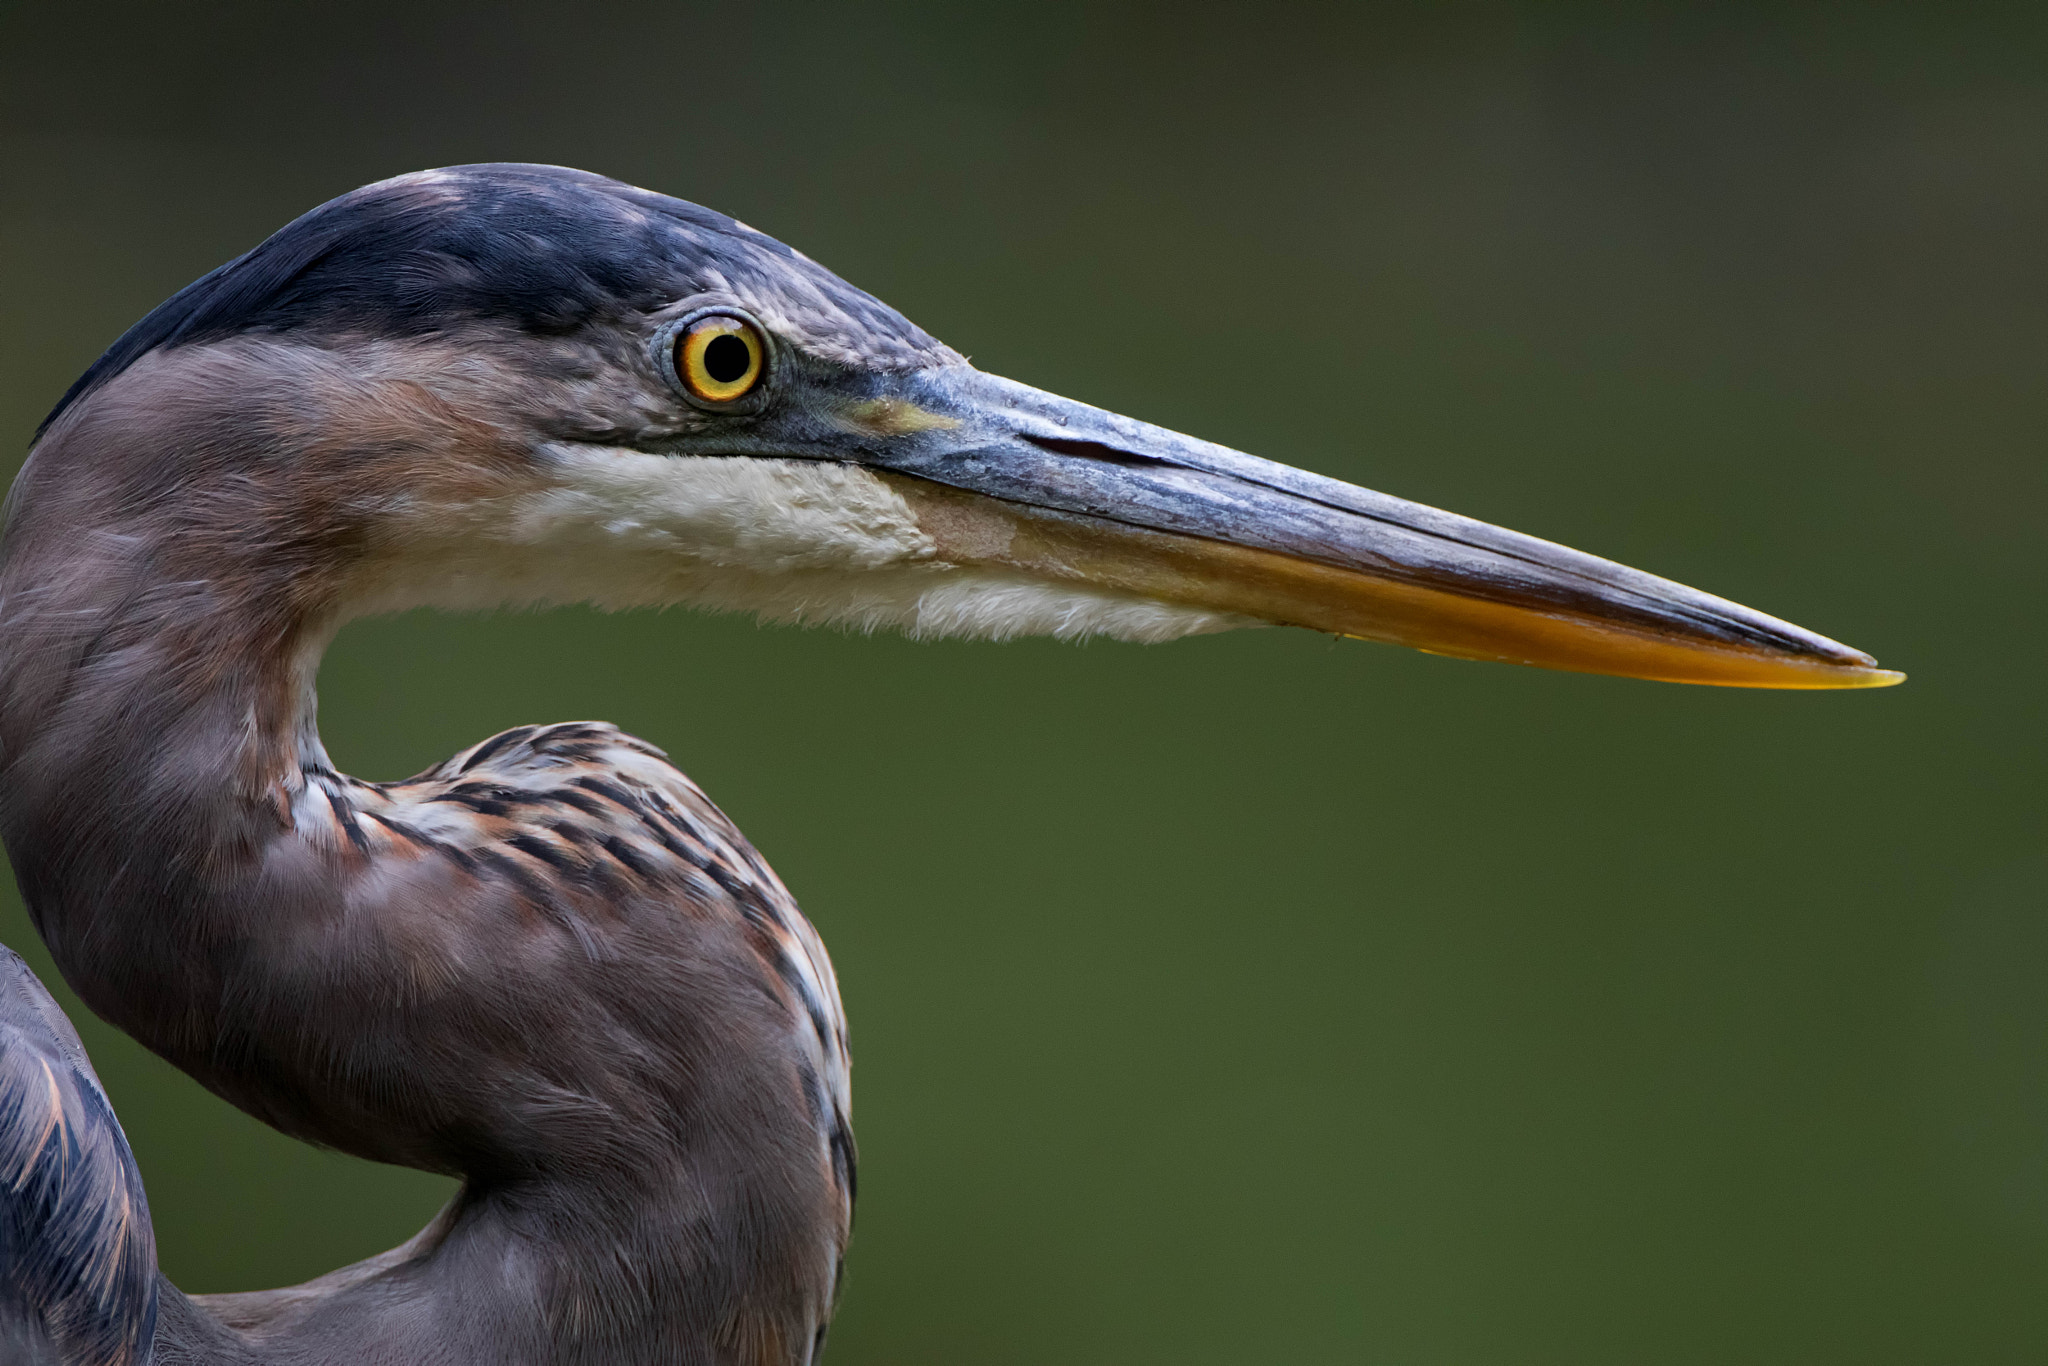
[944, 602]
[787, 540]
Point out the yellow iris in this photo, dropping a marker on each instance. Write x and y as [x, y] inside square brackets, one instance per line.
[720, 358]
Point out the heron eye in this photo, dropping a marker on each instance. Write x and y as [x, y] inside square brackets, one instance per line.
[719, 358]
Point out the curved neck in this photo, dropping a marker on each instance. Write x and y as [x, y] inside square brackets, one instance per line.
[586, 1005]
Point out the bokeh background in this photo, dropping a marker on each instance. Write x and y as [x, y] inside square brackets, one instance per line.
[1259, 998]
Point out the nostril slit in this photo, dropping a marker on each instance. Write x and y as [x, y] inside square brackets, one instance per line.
[1093, 450]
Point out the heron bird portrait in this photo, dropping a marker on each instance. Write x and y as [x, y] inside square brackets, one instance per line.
[550, 967]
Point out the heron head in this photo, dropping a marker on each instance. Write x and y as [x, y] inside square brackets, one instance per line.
[521, 383]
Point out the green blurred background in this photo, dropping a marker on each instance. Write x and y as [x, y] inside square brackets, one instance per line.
[1259, 998]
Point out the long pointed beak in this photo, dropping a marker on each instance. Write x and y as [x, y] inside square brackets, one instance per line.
[1001, 474]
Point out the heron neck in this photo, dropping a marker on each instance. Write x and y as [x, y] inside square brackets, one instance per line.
[642, 1110]
[140, 695]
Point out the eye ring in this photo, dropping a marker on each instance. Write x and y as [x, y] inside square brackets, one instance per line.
[719, 358]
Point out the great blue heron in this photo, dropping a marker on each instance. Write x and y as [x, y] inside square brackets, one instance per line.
[550, 966]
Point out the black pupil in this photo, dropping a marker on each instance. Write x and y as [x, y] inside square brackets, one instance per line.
[726, 358]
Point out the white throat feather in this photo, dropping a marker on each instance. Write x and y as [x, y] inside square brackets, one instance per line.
[790, 540]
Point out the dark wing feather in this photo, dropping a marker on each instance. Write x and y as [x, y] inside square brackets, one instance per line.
[77, 1259]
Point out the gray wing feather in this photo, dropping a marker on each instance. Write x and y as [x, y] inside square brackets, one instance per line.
[77, 1258]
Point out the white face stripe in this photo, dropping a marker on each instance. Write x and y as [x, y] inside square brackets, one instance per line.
[790, 540]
